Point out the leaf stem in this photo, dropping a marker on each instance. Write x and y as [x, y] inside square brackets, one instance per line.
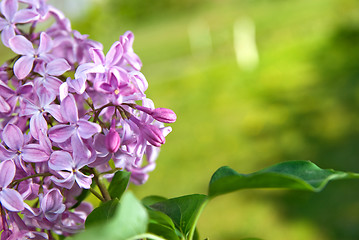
[193, 228]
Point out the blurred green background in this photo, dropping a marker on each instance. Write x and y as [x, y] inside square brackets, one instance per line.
[254, 83]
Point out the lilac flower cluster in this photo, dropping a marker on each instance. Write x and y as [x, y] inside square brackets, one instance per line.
[69, 117]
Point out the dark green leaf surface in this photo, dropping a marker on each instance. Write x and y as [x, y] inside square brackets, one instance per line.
[119, 184]
[163, 231]
[103, 213]
[129, 220]
[303, 175]
[183, 211]
[150, 200]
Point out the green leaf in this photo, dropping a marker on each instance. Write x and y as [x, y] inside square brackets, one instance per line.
[302, 175]
[163, 231]
[129, 221]
[161, 224]
[184, 211]
[103, 213]
[149, 200]
[160, 218]
[119, 184]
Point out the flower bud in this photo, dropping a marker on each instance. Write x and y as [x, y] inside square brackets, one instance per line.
[164, 115]
[153, 135]
[113, 140]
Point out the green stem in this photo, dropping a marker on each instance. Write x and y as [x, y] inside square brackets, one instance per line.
[191, 232]
[101, 186]
[111, 171]
[28, 177]
[97, 195]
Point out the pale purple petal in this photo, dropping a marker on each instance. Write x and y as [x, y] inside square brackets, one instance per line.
[11, 200]
[25, 15]
[7, 173]
[25, 89]
[37, 124]
[69, 109]
[52, 84]
[20, 45]
[51, 200]
[134, 60]
[64, 90]
[3, 23]
[7, 33]
[78, 84]
[45, 43]
[114, 54]
[83, 180]
[115, 78]
[45, 143]
[23, 66]
[6, 154]
[140, 80]
[45, 97]
[97, 56]
[34, 153]
[106, 88]
[40, 68]
[100, 146]
[28, 108]
[86, 129]
[54, 111]
[86, 68]
[166, 130]
[61, 160]
[57, 67]
[81, 154]
[9, 8]
[13, 137]
[66, 182]
[152, 153]
[4, 106]
[52, 204]
[60, 133]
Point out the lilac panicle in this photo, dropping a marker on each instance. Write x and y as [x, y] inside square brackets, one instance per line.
[69, 114]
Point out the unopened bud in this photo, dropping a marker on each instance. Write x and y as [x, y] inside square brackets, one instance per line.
[153, 135]
[113, 140]
[164, 115]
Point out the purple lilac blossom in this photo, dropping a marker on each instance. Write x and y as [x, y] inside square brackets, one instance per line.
[57, 132]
